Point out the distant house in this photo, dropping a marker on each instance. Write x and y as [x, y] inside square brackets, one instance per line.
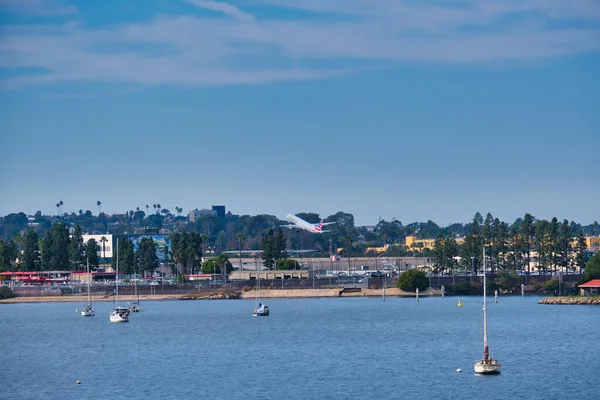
[590, 288]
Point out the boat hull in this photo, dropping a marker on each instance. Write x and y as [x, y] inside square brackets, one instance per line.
[116, 316]
[88, 313]
[259, 314]
[487, 368]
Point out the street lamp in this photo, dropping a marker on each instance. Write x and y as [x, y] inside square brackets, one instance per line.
[472, 268]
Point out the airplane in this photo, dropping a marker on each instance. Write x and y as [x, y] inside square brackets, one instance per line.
[299, 223]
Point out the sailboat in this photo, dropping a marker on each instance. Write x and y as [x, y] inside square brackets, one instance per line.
[88, 309]
[119, 314]
[487, 365]
[134, 306]
[260, 310]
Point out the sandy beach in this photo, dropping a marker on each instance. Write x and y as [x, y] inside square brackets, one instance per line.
[271, 293]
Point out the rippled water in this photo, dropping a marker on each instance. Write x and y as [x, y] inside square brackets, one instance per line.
[334, 348]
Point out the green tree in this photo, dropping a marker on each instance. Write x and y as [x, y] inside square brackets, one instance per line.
[90, 252]
[287, 264]
[526, 231]
[55, 248]
[592, 268]
[213, 265]
[581, 256]
[146, 259]
[273, 247]
[76, 249]
[30, 260]
[126, 256]
[412, 279]
[8, 255]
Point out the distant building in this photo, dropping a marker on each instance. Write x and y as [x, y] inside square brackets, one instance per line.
[220, 210]
[413, 243]
[195, 213]
[105, 248]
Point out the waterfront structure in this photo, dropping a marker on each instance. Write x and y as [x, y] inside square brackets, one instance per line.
[590, 288]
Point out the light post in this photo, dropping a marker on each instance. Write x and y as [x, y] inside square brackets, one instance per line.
[472, 268]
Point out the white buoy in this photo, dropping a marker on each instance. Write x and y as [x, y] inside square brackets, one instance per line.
[417, 295]
[458, 370]
[522, 290]
[495, 296]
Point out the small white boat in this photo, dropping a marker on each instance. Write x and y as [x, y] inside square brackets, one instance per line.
[487, 365]
[119, 314]
[134, 306]
[261, 311]
[88, 309]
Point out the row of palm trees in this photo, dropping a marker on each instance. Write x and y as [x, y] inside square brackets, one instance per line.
[157, 207]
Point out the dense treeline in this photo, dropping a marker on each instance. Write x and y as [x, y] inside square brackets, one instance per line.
[558, 246]
[43, 243]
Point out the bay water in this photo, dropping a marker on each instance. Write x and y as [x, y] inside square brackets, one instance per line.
[327, 348]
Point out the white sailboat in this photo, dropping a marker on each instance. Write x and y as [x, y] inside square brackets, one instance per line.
[88, 309]
[487, 365]
[119, 314]
[134, 306]
[260, 310]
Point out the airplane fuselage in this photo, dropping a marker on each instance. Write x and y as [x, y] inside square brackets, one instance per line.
[302, 224]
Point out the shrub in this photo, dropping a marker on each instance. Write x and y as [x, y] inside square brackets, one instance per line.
[246, 289]
[287, 264]
[412, 279]
[462, 288]
[6, 292]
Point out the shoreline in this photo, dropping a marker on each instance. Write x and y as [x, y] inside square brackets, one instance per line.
[227, 294]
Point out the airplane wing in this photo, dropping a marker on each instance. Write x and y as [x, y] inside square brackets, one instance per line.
[328, 223]
[290, 226]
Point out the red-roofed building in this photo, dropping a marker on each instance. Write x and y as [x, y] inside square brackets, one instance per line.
[590, 287]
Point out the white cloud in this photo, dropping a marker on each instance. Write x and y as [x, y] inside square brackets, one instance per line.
[225, 8]
[245, 48]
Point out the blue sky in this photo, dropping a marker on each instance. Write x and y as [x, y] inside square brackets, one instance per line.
[409, 109]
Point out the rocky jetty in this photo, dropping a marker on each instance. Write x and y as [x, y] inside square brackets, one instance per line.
[220, 295]
[570, 300]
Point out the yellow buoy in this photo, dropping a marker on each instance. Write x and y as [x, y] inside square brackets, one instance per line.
[460, 303]
[76, 310]
[78, 382]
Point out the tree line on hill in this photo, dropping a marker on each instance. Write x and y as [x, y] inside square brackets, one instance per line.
[511, 245]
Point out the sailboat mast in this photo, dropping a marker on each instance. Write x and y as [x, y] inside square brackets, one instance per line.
[117, 275]
[89, 279]
[484, 302]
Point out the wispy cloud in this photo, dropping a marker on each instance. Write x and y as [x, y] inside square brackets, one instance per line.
[225, 8]
[259, 47]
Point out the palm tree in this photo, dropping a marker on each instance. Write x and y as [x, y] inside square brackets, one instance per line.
[158, 207]
[147, 209]
[103, 240]
[98, 203]
[57, 207]
[240, 238]
[61, 204]
[348, 241]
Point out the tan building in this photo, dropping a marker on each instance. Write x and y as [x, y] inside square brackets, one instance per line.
[420, 244]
